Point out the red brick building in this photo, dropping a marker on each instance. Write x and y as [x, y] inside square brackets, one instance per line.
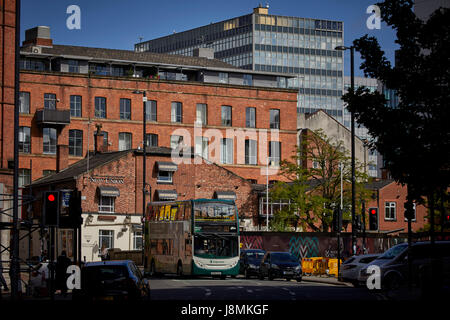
[111, 190]
[234, 117]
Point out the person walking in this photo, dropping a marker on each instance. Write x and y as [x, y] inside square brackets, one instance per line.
[62, 263]
[2, 279]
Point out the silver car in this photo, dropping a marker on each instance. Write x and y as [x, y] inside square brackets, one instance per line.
[349, 270]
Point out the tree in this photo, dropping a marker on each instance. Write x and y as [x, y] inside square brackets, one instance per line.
[413, 137]
[314, 184]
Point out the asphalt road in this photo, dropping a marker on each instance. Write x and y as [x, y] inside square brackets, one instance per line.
[173, 288]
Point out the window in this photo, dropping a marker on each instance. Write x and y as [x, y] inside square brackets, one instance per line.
[24, 102]
[226, 155]
[389, 211]
[106, 204]
[226, 116]
[76, 143]
[176, 141]
[250, 117]
[100, 107]
[248, 80]
[152, 140]
[250, 152]
[49, 139]
[124, 141]
[137, 240]
[275, 152]
[105, 239]
[150, 111]
[105, 138]
[24, 177]
[223, 77]
[274, 119]
[177, 112]
[164, 177]
[125, 109]
[202, 116]
[201, 146]
[49, 101]
[24, 139]
[73, 66]
[75, 106]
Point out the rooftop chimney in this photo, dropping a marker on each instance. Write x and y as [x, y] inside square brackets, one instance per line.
[38, 36]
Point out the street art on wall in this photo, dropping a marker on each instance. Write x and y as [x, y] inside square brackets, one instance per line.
[251, 242]
[304, 247]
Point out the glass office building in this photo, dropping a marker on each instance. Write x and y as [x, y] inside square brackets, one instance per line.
[299, 47]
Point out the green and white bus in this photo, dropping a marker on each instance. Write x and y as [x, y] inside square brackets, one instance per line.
[192, 237]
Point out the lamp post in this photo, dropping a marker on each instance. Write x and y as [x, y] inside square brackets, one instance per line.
[352, 86]
[144, 163]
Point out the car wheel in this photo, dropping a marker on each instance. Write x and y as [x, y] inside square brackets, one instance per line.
[299, 279]
[392, 282]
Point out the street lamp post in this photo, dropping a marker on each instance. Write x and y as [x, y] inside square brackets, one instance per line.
[352, 86]
[144, 163]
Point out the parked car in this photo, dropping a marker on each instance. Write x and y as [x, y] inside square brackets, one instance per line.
[280, 265]
[112, 280]
[39, 279]
[349, 270]
[249, 262]
[394, 265]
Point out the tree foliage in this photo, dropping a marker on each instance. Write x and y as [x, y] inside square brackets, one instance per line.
[414, 137]
[314, 184]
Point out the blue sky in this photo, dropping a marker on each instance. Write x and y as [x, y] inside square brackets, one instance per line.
[119, 24]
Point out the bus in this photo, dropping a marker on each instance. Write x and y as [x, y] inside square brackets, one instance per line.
[192, 237]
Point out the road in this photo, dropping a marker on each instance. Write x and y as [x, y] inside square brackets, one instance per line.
[173, 288]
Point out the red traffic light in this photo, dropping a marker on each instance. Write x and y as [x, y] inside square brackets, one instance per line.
[373, 211]
[51, 197]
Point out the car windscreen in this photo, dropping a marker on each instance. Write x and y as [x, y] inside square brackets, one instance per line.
[105, 273]
[282, 257]
[254, 255]
[394, 251]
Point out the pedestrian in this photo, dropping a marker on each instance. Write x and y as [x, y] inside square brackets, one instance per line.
[2, 279]
[104, 252]
[62, 263]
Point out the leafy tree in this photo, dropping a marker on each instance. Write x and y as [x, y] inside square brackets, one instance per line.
[413, 137]
[314, 184]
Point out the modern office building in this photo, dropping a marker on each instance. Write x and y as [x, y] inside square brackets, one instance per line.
[299, 47]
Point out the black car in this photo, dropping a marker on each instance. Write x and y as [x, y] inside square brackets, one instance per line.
[112, 281]
[249, 262]
[280, 265]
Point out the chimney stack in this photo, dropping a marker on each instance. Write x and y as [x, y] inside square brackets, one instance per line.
[38, 36]
[99, 146]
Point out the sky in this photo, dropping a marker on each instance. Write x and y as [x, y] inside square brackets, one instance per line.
[119, 24]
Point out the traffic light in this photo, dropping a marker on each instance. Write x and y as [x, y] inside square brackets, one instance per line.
[75, 209]
[337, 220]
[447, 220]
[373, 219]
[51, 209]
[409, 210]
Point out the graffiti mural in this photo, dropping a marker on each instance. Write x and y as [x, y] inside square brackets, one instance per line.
[251, 242]
[304, 247]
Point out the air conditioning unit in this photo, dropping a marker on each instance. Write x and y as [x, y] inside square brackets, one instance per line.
[36, 49]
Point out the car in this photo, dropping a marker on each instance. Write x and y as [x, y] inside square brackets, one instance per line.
[394, 267]
[39, 278]
[280, 265]
[113, 280]
[349, 270]
[249, 262]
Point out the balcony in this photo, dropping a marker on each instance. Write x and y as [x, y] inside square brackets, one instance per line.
[52, 117]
